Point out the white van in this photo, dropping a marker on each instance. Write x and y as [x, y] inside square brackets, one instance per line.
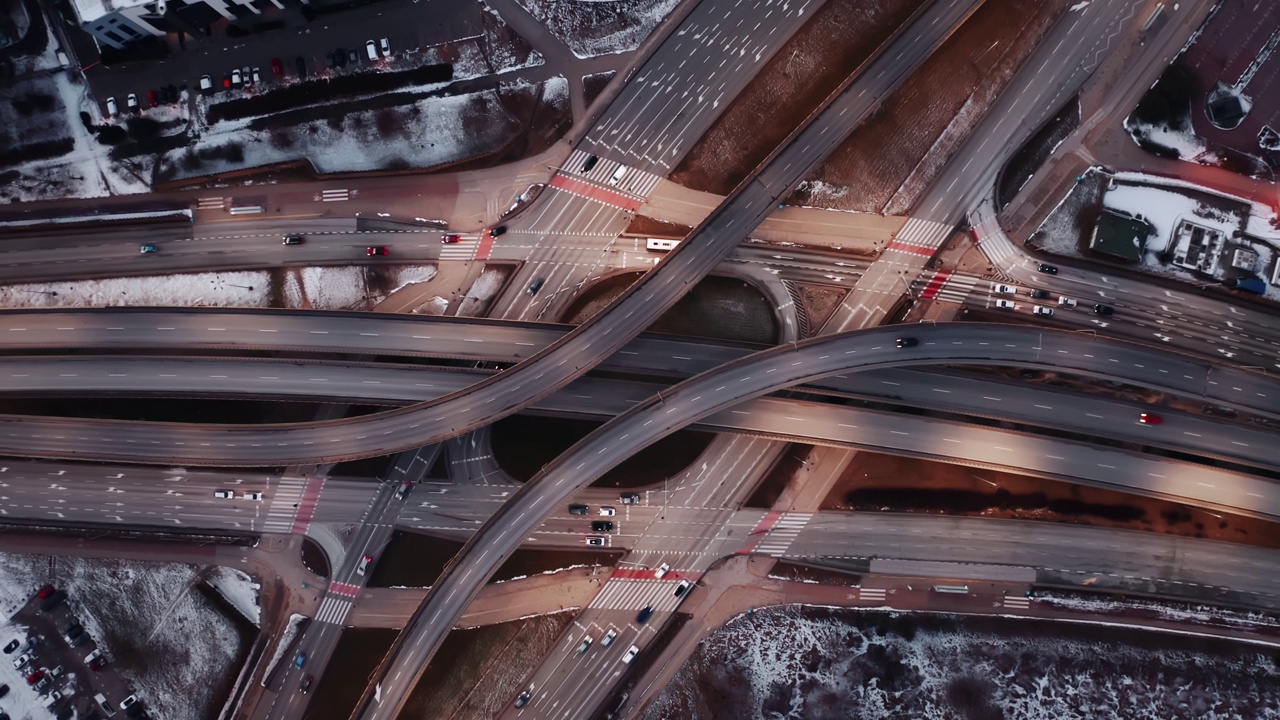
[106, 706]
[617, 174]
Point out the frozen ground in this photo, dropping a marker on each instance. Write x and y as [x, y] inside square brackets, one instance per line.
[423, 133]
[592, 28]
[161, 633]
[810, 662]
[238, 589]
[320, 288]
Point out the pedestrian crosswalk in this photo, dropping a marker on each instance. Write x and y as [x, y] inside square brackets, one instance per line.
[871, 594]
[1017, 602]
[334, 195]
[307, 505]
[211, 203]
[283, 509]
[461, 250]
[637, 594]
[1000, 251]
[919, 237]
[337, 603]
[633, 180]
[333, 610]
[946, 286]
[775, 532]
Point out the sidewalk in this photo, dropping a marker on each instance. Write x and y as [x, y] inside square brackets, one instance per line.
[855, 233]
[497, 603]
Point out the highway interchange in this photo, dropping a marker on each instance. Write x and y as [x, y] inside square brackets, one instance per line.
[724, 388]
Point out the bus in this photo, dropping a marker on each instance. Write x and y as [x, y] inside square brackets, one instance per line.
[656, 245]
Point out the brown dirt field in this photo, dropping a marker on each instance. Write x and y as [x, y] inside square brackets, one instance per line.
[650, 227]
[820, 304]
[885, 483]
[796, 572]
[790, 462]
[813, 63]
[871, 166]
[479, 672]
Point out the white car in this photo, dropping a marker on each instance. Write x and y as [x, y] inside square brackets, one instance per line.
[206, 83]
[608, 511]
[1067, 302]
[21, 660]
[1006, 290]
[364, 564]
[607, 640]
[131, 102]
[385, 44]
[371, 49]
[662, 570]
[128, 702]
[630, 655]
[1041, 310]
[224, 494]
[1005, 304]
[112, 108]
[236, 78]
[257, 75]
[252, 495]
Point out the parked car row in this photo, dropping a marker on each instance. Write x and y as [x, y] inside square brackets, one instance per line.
[41, 679]
[168, 95]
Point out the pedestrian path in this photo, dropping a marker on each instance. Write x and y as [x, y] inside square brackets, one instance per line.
[636, 594]
[283, 508]
[337, 603]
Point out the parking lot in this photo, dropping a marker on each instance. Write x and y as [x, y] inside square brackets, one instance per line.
[279, 55]
[56, 664]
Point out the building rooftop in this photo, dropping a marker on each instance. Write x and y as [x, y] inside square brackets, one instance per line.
[90, 10]
[1120, 236]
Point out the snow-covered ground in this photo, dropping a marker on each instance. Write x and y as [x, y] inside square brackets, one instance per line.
[286, 639]
[320, 288]
[423, 133]
[594, 28]
[812, 662]
[238, 589]
[171, 644]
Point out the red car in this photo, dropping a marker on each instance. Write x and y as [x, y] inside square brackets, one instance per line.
[1149, 419]
[377, 250]
[46, 591]
[97, 663]
[226, 81]
[34, 677]
[447, 239]
[153, 98]
[277, 67]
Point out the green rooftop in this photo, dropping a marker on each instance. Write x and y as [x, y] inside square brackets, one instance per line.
[1120, 236]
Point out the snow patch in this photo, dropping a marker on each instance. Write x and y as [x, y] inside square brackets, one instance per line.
[238, 589]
